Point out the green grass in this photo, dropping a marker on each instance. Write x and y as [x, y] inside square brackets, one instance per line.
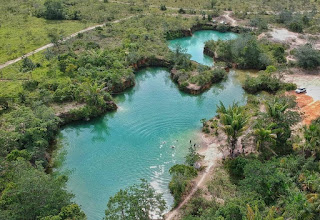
[21, 32]
[24, 35]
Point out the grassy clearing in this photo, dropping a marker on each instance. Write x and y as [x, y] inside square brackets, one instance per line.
[22, 36]
[21, 31]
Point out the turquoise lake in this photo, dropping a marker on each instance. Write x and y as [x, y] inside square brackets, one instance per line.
[112, 152]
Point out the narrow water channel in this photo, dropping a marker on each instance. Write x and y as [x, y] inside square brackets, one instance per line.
[116, 150]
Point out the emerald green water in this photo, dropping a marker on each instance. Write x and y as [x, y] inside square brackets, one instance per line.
[118, 149]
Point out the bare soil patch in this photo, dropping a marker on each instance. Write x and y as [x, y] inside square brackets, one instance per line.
[309, 108]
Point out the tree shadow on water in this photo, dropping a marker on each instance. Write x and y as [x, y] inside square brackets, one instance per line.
[100, 130]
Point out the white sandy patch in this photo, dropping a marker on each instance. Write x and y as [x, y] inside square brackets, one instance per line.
[309, 81]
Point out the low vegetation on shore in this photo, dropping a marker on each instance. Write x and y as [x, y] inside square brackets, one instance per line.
[270, 173]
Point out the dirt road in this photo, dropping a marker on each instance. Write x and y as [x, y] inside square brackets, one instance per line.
[65, 39]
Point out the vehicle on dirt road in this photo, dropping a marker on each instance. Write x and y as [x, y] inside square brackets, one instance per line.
[301, 90]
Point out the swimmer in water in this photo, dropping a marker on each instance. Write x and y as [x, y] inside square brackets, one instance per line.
[172, 146]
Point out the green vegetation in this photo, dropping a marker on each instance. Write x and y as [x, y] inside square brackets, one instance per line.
[234, 121]
[25, 24]
[73, 80]
[136, 202]
[308, 58]
[246, 52]
[280, 181]
[76, 80]
[182, 174]
[28, 193]
[268, 81]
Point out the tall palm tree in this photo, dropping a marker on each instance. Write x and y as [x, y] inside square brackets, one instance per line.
[234, 121]
[266, 135]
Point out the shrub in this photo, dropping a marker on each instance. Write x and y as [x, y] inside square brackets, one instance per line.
[236, 167]
[279, 54]
[265, 180]
[308, 58]
[27, 65]
[163, 8]
[264, 82]
[296, 27]
[181, 11]
[289, 86]
[218, 75]
[30, 85]
[260, 23]
[180, 182]
[54, 10]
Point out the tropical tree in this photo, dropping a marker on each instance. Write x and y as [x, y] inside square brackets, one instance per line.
[312, 138]
[256, 215]
[264, 136]
[136, 202]
[70, 212]
[275, 109]
[31, 193]
[192, 157]
[234, 121]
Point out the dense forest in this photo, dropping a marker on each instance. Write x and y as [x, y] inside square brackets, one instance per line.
[76, 79]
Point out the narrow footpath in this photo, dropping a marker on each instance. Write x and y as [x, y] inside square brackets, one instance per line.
[65, 39]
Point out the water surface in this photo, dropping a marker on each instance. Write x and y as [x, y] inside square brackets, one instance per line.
[194, 45]
[118, 149]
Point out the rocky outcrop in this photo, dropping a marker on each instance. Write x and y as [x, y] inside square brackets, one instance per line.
[84, 113]
[152, 62]
[195, 89]
[173, 34]
[187, 87]
[122, 86]
[170, 35]
[207, 51]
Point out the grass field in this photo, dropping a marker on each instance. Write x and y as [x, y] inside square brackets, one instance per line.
[21, 31]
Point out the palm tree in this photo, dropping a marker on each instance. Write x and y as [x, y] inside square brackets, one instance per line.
[234, 121]
[275, 108]
[266, 135]
[254, 214]
[312, 138]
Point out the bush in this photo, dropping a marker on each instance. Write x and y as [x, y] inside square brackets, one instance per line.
[279, 54]
[163, 8]
[265, 180]
[296, 27]
[218, 75]
[289, 86]
[30, 85]
[180, 182]
[236, 167]
[260, 23]
[54, 10]
[308, 58]
[181, 11]
[246, 51]
[264, 82]
[27, 65]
